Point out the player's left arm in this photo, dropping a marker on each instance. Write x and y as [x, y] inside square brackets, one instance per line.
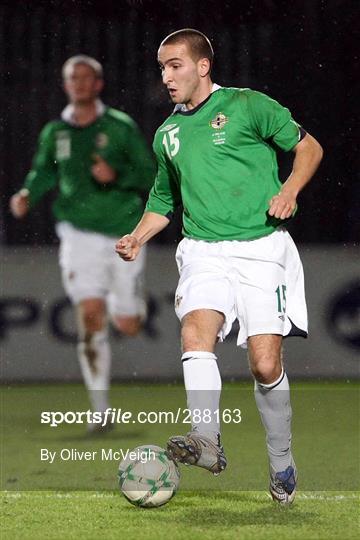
[308, 154]
[271, 121]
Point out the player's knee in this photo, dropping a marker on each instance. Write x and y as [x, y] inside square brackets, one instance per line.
[130, 326]
[92, 321]
[265, 370]
[91, 314]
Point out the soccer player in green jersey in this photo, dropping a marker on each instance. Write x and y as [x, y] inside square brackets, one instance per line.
[100, 163]
[216, 157]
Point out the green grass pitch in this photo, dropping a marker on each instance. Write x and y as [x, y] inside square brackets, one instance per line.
[80, 499]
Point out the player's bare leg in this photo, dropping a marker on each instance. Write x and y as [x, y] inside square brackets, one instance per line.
[94, 354]
[201, 446]
[272, 395]
[129, 326]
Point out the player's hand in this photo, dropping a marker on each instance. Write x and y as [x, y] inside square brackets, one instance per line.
[282, 205]
[128, 247]
[19, 204]
[101, 171]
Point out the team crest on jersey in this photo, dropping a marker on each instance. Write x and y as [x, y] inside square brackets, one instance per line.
[63, 144]
[219, 121]
[168, 127]
[101, 140]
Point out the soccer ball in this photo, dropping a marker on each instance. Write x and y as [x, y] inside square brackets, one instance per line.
[148, 477]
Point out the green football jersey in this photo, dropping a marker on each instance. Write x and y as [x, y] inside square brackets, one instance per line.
[218, 160]
[64, 159]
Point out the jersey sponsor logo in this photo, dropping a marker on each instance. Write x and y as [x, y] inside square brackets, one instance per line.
[63, 144]
[219, 121]
[101, 140]
[168, 127]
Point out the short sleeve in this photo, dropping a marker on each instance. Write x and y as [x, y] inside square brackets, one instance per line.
[272, 121]
[165, 195]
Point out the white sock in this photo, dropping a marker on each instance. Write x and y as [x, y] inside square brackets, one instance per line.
[95, 362]
[273, 402]
[203, 388]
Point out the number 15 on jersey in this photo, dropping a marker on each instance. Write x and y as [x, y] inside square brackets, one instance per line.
[171, 142]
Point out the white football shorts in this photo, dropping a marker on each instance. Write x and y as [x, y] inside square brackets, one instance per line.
[259, 282]
[91, 269]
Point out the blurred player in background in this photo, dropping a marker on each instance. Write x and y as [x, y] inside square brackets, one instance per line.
[98, 160]
[215, 156]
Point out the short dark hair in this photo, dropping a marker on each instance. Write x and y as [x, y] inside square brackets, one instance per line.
[199, 45]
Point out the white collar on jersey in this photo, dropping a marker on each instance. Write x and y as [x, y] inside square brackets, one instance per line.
[68, 113]
[182, 107]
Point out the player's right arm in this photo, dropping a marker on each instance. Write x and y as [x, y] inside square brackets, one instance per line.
[40, 179]
[163, 199]
[150, 224]
[19, 203]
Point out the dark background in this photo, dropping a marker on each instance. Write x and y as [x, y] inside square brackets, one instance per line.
[301, 53]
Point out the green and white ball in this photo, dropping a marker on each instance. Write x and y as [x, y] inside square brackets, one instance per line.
[147, 477]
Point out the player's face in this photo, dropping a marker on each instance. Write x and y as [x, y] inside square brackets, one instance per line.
[81, 84]
[180, 73]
